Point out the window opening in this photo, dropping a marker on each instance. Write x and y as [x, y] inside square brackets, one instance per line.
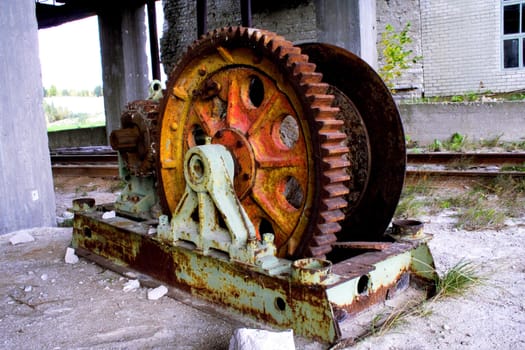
[513, 30]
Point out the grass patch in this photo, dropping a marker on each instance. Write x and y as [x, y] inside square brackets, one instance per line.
[117, 186]
[83, 190]
[493, 142]
[480, 217]
[484, 205]
[471, 96]
[514, 146]
[460, 143]
[456, 143]
[410, 206]
[414, 199]
[75, 124]
[520, 168]
[454, 282]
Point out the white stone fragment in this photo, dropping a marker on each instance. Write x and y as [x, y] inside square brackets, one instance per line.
[21, 237]
[68, 215]
[258, 339]
[157, 293]
[108, 215]
[131, 285]
[44, 277]
[152, 230]
[71, 257]
[28, 289]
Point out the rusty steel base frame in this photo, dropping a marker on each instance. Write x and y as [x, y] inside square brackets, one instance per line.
[315, 298]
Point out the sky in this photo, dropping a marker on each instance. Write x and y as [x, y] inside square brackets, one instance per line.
[70, 53]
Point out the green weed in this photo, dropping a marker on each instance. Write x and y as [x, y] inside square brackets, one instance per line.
[456, 280]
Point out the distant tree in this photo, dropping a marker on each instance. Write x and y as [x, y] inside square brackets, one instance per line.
[97, 91]
[65, 92]
[44, 91]
[52, 91]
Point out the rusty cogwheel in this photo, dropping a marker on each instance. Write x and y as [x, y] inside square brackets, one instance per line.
[255, 93]
[376, 139]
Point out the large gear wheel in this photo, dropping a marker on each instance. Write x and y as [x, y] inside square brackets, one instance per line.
[255, 93]
[375, 137]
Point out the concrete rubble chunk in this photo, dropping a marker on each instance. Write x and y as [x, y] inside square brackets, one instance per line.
[21, 237]
[258, 339]
[131, 285]
[108, 215]
[157, 293]
[71, 257]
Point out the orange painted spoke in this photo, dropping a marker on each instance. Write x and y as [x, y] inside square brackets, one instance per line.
[236, 115]
[205, 114]
[283, 160]
[263, 115]
[269, 193]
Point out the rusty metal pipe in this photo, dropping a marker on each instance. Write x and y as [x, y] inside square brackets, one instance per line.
[202, 14]
[153, 40]
[124, 139]
[246, 13]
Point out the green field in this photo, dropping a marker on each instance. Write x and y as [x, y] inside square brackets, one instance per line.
[73, 112]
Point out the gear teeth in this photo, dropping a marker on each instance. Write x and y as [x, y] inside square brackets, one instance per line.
[329, 227]
[328, 138]
[334, 203]
[331, 150]
[287, 52]
[318, 100]
[336, 175]
[294, 58]
[336, 163]
[335, 190]
[306, 69]
[322, 240]
[319, 252]
[316, 89]
[326, 113]
[332, 135]
[324, 122]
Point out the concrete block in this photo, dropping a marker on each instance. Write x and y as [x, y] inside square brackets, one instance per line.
[258, 339]
[21, 237]
[157, 293]
[70, 257]
[131, 285]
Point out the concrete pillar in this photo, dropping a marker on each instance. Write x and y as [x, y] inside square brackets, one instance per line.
[350, 24]
[124, 60]
[27, 198]
[368, 31]
[338, 23]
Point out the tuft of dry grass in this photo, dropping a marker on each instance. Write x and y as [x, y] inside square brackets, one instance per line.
[454, 282]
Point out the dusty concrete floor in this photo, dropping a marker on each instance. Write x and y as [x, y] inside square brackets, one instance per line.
[48, 304]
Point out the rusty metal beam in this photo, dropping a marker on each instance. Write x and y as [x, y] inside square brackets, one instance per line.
[202, 17]
[325, 310]
[153, 40]
[246, 13]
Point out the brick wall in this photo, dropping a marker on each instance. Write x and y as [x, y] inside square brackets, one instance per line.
[295, 20]
[462, 48]
[460, 41]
